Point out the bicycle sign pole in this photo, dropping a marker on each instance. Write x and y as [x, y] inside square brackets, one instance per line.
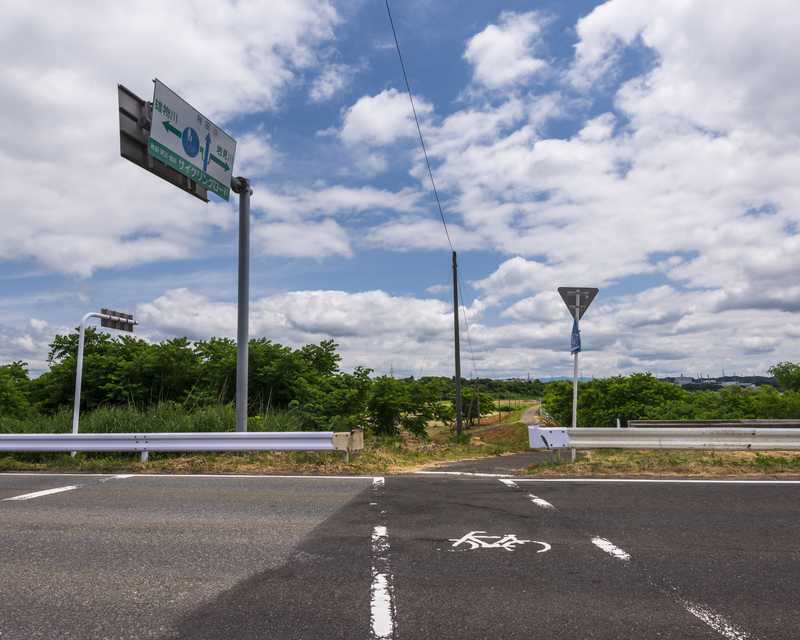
[577, 300]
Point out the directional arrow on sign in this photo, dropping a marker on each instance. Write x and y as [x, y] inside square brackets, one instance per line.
[206, 153]
[221, 163]
[168, 126]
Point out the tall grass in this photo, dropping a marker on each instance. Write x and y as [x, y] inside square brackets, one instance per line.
[165, 417]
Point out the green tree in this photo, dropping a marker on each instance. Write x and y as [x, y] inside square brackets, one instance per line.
[787, 374]
[387, 400]
[475, 401]
[14, 390]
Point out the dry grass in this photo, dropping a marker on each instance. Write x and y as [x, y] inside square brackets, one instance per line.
[602, 462]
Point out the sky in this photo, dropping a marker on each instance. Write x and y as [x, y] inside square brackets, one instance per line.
[649, 149]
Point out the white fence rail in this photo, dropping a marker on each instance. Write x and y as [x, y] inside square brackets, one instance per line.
[213, 441]
[732, 439]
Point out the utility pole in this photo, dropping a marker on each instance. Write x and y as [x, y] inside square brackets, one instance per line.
[459, 424]
[242, 187]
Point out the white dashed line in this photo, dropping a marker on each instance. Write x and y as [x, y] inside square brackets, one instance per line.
[382, 613]
[509, 483]
[381, 609]
[715, 621]
[611, 549]
[46, 492]
[540, 502]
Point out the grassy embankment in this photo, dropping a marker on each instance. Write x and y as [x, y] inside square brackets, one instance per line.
[628, 462]
[380, 455]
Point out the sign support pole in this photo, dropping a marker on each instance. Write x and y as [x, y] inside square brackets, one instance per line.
[242, 187]
[575, 376]
[459, 423]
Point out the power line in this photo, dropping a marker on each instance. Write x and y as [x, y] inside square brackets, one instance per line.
[466, 326]
[433, 182]
[419, 129]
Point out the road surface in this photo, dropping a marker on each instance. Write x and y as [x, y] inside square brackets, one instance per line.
[426, 556]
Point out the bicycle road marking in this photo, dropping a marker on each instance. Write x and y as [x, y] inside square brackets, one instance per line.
[507, 542]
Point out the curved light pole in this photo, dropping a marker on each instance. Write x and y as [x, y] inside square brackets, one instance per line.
[108, 318]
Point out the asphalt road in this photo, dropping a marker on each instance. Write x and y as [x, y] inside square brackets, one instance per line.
[430, 556]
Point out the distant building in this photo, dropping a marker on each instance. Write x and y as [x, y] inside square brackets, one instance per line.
[736, 383]
[683, 380]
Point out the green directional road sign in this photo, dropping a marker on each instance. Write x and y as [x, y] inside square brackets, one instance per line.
[184, 139]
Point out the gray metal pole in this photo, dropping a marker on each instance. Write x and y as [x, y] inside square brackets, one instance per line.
[575, 370]
[242, 187]
[459, 423]
[572, 453]
[76, 407]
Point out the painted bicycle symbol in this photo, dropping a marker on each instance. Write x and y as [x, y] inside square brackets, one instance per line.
[479, 540]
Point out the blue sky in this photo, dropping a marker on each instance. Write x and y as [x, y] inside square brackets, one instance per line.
[649, 149]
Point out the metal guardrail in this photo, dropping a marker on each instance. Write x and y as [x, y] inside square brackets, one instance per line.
[732, 439]
[213, 441]
[761, 424]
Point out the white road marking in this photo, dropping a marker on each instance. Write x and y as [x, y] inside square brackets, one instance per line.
[540, 502]
[509, 483]
[195, 475]
[715, 621]
[656, 481]
[507, 541]
[382, 612]
[464, 473]
[611, 549]
[46, 492]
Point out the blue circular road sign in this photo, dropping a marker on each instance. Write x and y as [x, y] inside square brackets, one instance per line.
[191, 142]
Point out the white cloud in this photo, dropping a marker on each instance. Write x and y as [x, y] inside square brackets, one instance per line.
[254, 154]
[333, 79]
[318, 239]
[504, 54]
[374, 328]
[421, 233]
[382, 119]
[335, 200]
[71, 202]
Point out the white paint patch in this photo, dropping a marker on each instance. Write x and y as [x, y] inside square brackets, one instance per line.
[509, 483]
[381, 605]
[715, 621]
[656, 481]
[121, 476]
[378, 481]
[611, 549]
[540, 502]
[46, 492]
[464, 473]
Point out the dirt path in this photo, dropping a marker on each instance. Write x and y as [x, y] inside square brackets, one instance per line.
[530, 416]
